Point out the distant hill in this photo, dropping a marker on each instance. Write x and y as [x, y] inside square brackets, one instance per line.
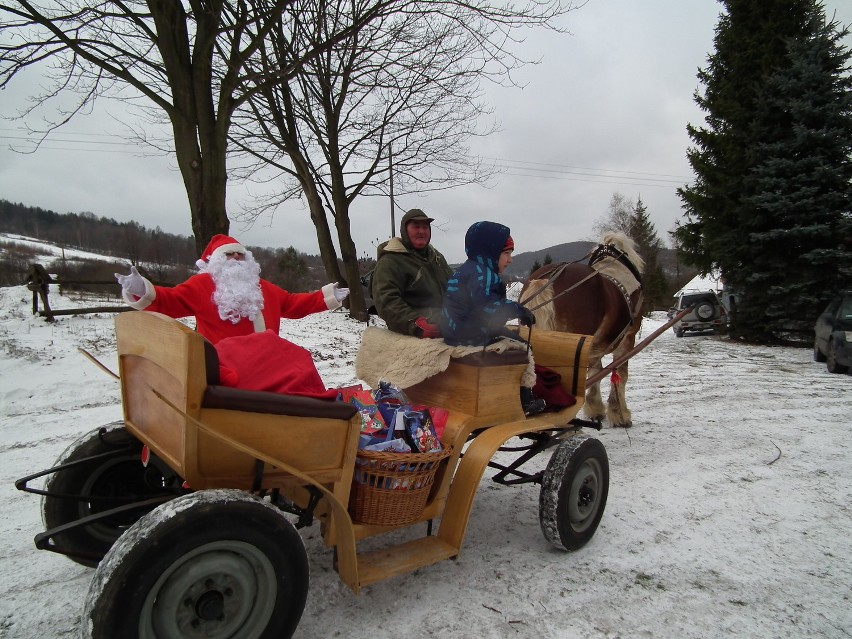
[522, 263]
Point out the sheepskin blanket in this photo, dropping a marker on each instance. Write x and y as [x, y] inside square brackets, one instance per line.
[406, 361]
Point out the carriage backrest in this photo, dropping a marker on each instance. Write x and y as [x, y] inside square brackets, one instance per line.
[157, 353]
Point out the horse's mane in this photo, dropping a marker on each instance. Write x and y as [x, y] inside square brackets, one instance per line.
[627, 246]
[544, 311]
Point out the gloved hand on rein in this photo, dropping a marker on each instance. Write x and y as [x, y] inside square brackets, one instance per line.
[526, 318]
[133, 284]
[340, 294]
[424, 329]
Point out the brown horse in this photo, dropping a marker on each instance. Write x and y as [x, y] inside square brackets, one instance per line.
[603, 299]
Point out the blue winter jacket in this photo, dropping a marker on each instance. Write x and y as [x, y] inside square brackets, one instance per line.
[475, 308]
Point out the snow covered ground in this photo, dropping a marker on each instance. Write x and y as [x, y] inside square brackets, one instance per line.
[708, 532]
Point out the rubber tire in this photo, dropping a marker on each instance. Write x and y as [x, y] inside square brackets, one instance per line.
[831, 361]
[573, 493]
[225, 543]
[819, 356]
[120, 476]
[678, 332]
[704, 311]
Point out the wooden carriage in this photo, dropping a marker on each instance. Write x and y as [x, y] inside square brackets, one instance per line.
[299, 454]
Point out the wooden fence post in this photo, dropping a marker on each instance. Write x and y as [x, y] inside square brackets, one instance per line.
[39, 281]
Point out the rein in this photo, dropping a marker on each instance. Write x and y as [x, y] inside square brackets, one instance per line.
[567, 290]
[552, 275]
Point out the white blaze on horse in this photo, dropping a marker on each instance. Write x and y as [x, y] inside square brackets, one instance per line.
[602, 299]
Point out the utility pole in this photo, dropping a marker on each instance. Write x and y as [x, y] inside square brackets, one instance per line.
[390, 170]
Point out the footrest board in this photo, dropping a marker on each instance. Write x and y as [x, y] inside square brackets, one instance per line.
[380, 564]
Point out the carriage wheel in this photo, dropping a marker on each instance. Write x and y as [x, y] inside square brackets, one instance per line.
[831, 360]
[121, 476]
[573, 492]
[819, 356]
[213, 564]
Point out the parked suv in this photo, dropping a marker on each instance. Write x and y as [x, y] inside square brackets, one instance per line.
[833, 335]
[707, 314]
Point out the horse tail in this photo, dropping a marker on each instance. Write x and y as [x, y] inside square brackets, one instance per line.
[540, 293]
[627, 246]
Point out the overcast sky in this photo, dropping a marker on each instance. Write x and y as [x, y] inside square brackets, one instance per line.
[605, 111]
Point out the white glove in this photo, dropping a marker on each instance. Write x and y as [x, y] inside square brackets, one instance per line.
[340, 294]
[133, 284]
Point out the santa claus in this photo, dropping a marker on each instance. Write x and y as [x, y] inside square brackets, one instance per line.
[241, 314]
[228, 298]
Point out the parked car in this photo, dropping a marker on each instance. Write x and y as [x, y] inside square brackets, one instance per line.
[708, 312]
[833, 335]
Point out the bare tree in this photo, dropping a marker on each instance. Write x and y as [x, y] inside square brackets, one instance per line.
[400, 96]
[618, 218]
[182, 62]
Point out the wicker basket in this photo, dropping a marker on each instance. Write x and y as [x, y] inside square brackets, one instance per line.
[392, 488]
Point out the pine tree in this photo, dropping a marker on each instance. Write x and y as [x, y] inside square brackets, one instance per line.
[770, 205]
[802, 198]
[648, 245]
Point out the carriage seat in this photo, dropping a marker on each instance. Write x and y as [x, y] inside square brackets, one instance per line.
[229, 398]
[492, 358]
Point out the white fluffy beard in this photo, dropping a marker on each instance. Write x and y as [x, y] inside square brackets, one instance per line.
[237, 294]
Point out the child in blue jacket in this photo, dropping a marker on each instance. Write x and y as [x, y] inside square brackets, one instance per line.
[476, 308]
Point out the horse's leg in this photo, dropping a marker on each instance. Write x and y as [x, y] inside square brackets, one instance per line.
[594, 408]
[617, 412]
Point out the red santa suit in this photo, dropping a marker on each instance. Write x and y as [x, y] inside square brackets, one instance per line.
[251, 354]
[265, 362]
[194, 297]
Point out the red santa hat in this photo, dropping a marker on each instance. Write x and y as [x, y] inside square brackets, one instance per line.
[219, 245]
[509, 245]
